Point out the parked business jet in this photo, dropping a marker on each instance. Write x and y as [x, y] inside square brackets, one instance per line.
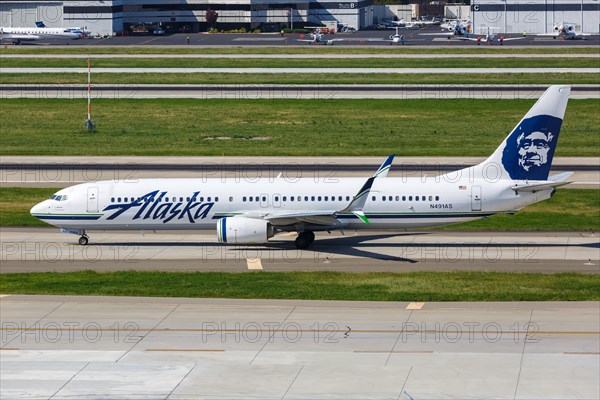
[514, 176]
[565, 30]
[18, 35]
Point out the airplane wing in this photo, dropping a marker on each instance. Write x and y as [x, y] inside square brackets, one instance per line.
[554, 182]
[472, 39]
[20, 36]
[329, 218]
[512, 38]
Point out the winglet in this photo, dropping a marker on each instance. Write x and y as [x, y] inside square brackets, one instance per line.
[360, 199]
[385, 167]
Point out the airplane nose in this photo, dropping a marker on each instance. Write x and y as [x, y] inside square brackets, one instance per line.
[40, 208]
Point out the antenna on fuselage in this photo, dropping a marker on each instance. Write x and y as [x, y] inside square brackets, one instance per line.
[88, 123]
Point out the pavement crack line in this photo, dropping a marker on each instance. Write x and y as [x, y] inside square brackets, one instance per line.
[67, 382]
[148, 332]
[32, 325]
[292, 383]
[404, 384]
[272, 335]
[182, 379]
[522, 356]
[398, 338]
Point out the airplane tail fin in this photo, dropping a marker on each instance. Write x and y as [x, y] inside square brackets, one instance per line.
[527, 152]
[40, 24]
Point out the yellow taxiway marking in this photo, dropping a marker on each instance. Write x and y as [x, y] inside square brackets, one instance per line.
[254, 263]
[9, 348]
[214, 331]
[395, 351]
[186, 350]
[414, 306]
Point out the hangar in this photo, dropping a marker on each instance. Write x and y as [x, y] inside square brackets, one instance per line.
[534, 16]
[107, 17]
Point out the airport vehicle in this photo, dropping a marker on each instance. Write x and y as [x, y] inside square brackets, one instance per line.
[18, 35]
[567, 31]
[252, 211]
[158, 31]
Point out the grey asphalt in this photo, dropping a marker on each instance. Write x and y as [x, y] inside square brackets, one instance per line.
[65, 347]
[554, 70]
[62, 171]
[46, 249]
[359, 39]
[136, 91]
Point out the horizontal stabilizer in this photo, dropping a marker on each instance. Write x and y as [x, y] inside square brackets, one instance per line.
[556, 181]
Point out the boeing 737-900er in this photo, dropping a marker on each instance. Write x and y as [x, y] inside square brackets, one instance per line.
[514, 176]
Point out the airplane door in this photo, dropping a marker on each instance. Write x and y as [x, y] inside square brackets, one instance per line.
[92, 199]
[264, 200]
[476, 198]
[276, 200]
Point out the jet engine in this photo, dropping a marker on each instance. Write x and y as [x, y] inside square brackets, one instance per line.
[243, 230]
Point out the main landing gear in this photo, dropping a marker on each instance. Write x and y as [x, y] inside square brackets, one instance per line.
[83, 240]
[304, 239]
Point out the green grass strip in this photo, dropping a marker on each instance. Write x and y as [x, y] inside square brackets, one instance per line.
[328, 127]
[303, 79]
[451, 62]
[410, 286]
[299, 50]
[568, 210]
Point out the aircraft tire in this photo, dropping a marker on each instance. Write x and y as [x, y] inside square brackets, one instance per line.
[304, 240]
[83, 240]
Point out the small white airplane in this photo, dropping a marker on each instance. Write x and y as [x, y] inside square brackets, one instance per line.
[18, 35]
[489, 38]
[81, 31]
[319, 38]
[565, 30]
[514, 176]
[396, 39]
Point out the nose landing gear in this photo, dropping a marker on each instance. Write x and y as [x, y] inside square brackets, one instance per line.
[83, 240]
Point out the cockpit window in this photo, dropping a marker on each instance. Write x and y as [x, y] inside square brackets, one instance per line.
[53, 197]
[65, 197]
[58, 198]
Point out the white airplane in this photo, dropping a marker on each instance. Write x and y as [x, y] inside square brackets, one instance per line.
[319, 38]
[396, 39]
[514, 176]
[81, 31]
[489, 38]
[567, 31]
[18, 35]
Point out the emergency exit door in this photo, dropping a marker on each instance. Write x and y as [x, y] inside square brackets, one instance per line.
[92, 200]
[476, 198]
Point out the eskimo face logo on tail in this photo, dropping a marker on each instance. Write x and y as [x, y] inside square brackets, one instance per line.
[154, 206]
[530, 148]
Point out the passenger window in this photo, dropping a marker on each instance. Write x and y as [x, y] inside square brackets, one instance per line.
[347, 198]
[430, 198]
[409, 198]
[264, 198]
[112, 199]
[276, 198]
[250, 199]
[244, 198]
[437, 198]
[208, 199]
[373, 198]
[319, 198]
[256, 199]
[403, 198]
[397, 198]
[382, 198]
[305, 198]
[201, 199]
[119, 200]
[230, 199]
[423, 198]
[326, 198]
[187, 199]
[216, 199]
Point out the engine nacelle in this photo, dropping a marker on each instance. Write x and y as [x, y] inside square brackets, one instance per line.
[243, 230]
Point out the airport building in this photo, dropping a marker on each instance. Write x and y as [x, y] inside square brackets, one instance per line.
[108, 17]
[534, 16]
